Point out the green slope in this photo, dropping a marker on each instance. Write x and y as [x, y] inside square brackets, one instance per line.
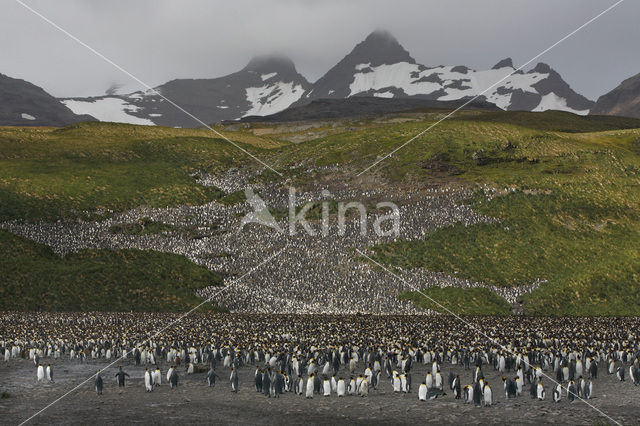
[571, 215]
[35, 278]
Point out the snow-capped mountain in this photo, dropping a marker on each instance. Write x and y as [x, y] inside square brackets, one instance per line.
[378, 66]
[267, 85]
[25, 104]
[624, 100]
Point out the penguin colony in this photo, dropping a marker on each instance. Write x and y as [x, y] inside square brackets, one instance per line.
[313, 356]
[308, 267]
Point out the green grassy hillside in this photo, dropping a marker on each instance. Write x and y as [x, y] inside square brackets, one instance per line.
[567, 192]
[35, 278]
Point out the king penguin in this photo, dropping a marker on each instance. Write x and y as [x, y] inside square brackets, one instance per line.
[148, 381]
[326, 387]
[40, 373]
[49, 373]
[422, 392]
[540, 393]
[309, 393]
[557, 393]
[487, 394]
[233, 378]
[98, 383]
[364, 388]
[341, 387]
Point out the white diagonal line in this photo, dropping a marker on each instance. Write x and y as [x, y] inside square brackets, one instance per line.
[101, 56]
[154, 335]
[487, 89]
[504, 348]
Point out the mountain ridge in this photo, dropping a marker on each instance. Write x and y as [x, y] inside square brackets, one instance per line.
[378, 66]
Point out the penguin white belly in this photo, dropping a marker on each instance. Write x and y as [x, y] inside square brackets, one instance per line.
[148, 384]
[397, 384]
[327, 387]
[40, 373]
[341, 388]
[364, 388]
[422, 392]
[309, 393]
[487, 395]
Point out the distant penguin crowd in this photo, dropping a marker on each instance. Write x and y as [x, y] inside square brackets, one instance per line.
[553, 359]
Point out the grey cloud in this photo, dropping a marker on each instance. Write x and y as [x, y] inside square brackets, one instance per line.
[158, 40]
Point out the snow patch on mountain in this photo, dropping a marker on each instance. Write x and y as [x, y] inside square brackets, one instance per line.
[552, 101]
[26, 116]
[107, 109]
[455, 82]
[268, 76]
[272, 98]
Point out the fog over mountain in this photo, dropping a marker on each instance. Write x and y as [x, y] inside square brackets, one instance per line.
[162, 40]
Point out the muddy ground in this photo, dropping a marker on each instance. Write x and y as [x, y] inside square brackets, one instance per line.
[194, 402]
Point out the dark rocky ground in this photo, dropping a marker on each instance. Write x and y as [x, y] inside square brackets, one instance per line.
[194, 402]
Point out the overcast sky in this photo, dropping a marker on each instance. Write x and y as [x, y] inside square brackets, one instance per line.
[158, 40]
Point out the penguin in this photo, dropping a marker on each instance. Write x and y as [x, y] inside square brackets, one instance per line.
[512, 389]
[572, 391]
[173, 379]
[358, 381]
[635, 373]
[120, 375]
[233, 378]
[422, 392]
[477, 394]
[266, 382]
[457, 392]
[300, 388]
[620, 373]
[375, 379]
[211, 377]
[588, 390]
[352, 386]
[334, 384]
[540, 393]
[397, 383]
[309, 393]
[565, 373]
[49, 373]
[148, 382]
[340, 387]
[403, 383]
[317, 384]
[257, 378]
[468, 394]
[326, 386]
[98, 383]
[519, 386]
[533, 390]
[438, 380]
[477, 375]
[487, 394]
[581, 386]
[157, 377]
[278, 384]
[429, 380]
[557, 393]
[364, 388]
[169, 372]
[190, 368]
[40, 373]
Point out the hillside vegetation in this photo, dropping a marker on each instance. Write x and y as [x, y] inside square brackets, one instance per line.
[566, 191]
[36, 279]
